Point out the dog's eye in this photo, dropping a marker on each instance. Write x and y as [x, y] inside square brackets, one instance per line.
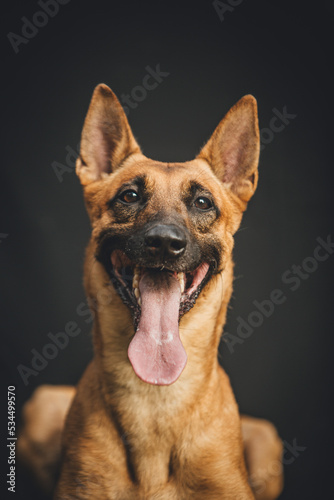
[203, 203]
[129, 196]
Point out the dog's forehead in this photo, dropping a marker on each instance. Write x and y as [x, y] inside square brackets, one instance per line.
[171, 177]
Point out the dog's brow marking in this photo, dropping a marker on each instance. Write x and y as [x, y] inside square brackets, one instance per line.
[197, 186]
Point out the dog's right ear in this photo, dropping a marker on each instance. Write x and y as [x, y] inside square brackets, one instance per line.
[106, 138]
[233, 149]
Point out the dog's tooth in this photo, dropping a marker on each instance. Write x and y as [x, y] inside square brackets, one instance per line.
[180, 277]
[137, 293]
[136, 277]
[139, 301]
[135, 282]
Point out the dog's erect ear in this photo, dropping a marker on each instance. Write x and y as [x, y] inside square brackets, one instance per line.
[234, 147]
[106, 138]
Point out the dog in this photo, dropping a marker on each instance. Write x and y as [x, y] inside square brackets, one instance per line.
[154, 416]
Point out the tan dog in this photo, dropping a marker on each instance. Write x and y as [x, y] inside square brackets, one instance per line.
[154, 416]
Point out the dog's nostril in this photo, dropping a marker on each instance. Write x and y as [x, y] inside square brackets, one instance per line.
[154, 242]
[177, 245]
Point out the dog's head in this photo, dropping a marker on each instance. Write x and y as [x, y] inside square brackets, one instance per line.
[162, 231]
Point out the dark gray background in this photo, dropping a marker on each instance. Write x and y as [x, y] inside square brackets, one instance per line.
[277, 51]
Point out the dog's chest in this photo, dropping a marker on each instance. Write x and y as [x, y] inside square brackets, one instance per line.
[161, 465]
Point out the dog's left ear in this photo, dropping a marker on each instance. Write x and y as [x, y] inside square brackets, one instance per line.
[234, 147]
[106, 138]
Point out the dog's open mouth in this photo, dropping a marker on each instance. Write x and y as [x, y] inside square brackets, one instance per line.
[126, 277]
[158, 298]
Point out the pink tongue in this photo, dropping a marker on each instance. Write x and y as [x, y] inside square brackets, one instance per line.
[156, 351]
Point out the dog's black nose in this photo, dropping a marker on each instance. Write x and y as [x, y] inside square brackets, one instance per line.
[165, 241]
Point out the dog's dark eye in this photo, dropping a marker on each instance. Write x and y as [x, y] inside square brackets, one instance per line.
[203, 203]
[129, 196]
